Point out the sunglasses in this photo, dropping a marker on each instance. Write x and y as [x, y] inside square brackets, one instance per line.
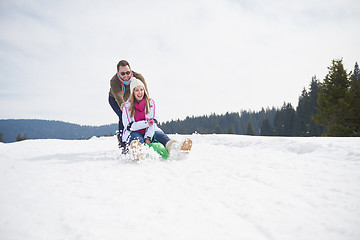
[123, 73]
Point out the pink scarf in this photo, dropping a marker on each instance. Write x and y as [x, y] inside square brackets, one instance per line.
[140, 113]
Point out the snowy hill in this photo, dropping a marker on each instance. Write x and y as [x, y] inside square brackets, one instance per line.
[231, 187]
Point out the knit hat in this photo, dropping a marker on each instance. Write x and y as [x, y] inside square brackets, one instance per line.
[135, 83]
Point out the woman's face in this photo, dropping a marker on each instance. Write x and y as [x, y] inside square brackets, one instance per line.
[139, 93]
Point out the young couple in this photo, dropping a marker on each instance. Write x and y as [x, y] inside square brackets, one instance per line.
[130, 100]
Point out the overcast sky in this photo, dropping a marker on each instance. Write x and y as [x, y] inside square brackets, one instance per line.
[198, 57]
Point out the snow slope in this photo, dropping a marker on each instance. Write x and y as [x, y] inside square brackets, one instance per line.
[231, 187]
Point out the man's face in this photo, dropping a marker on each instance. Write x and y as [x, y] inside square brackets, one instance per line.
[124, 73]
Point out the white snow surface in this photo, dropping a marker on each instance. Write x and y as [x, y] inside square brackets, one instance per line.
[230, 187]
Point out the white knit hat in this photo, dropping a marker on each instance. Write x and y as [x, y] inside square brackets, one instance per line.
[135, 83]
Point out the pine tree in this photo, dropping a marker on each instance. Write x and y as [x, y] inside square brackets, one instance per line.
[334, 102]
[284, 121]
[18, 138]
[303, 114]
[21, 138]
[306, 110]
[218, 129]
[314, 128]
[266, 128]
[249, 129]
[231, 130]
[1, 137]
[354, 102]
[356, 74]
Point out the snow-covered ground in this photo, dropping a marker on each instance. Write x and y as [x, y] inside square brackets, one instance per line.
[231, 187]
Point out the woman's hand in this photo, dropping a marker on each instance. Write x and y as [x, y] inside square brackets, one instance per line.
[147, 141]
[150, 121]
[122, 106]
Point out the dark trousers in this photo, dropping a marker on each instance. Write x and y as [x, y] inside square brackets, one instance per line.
[118, 112]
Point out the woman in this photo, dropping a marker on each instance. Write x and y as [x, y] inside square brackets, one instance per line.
[140, 120]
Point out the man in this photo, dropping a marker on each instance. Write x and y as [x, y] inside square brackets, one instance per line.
[120, 93]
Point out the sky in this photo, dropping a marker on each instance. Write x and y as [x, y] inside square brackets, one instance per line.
[197, 56]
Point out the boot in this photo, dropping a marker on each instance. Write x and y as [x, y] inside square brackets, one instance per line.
[177, 149]
[186, 145]
[123, 147]
[118, 136]
[136, 151]
[172, 146]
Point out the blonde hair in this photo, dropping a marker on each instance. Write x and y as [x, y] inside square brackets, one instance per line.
[133, 102]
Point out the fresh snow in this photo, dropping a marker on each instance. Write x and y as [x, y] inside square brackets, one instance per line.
[230, 187]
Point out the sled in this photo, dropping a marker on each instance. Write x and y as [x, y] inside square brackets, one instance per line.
[185, 148]
[160, 149]
[138, 152]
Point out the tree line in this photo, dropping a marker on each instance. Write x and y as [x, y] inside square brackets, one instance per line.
[328, 108]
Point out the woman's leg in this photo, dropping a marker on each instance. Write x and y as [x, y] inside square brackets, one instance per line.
[161, 137]
[136, 136]
[118, 112]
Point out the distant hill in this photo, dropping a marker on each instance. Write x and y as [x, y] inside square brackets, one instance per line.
[44, 129]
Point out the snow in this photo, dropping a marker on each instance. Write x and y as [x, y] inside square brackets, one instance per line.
[230, 187]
